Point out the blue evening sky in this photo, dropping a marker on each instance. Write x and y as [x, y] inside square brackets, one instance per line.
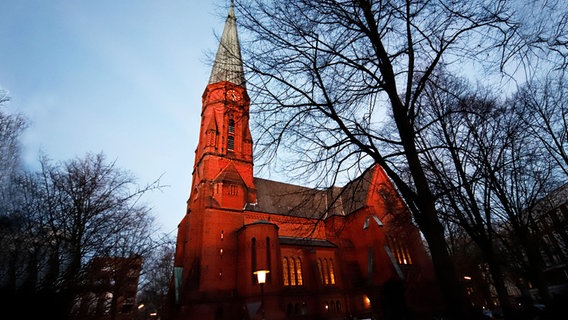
[122, 77]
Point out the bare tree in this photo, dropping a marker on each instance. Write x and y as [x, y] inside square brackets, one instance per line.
[459, 127]
[542, 105]
[157, 271]
[11, 126]
[487, 172]
[77, 210]
[326, 72]
[539, 40]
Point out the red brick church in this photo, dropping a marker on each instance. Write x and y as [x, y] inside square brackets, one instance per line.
[252, 248]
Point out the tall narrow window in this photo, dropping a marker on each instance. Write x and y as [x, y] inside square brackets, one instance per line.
[285, 271]
[292, 272]
[325, 272]
[231, 134]
[331, 272]
[253, 258]
[231, 126]
[230, 143]
[299, 280]
[320, 269]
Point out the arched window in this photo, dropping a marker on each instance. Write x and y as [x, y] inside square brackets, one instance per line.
[399, 250]
[407, 254]
[292, 266]
[325, 272]
[299, 280]
[292, 271]
[231, 125]
[320, 269]
[331, 272]
[285, 271]
[231, 134]
[338, 306]
[230, 143]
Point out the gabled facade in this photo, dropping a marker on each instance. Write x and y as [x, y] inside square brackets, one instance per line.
[350, 250]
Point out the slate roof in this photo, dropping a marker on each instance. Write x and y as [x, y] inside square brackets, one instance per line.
[298, 201]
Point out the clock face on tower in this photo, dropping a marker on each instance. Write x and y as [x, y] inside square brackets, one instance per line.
[234, 95]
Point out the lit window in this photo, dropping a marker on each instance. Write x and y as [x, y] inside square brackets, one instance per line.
[400, 250]
[320, 270]
[292, 273]
[325, 272]
[366, 302]
[331, 273]
[286, 271]
[299, 272]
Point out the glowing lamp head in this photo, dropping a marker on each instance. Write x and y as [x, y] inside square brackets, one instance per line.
[261, 276]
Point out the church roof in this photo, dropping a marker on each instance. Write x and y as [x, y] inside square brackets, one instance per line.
[306, 242]
[293, 200]
[228, 64]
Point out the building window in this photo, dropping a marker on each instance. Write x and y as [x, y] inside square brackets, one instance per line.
[331, 272]
[320, 270]
[326, 271]
[231, 126]
[231, 134]
[292, 271]
[399, 250]
[291, 268]
[231, 143]
[286, 270]
[299, 272]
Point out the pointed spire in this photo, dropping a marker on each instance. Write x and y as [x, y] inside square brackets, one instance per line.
[228, 65]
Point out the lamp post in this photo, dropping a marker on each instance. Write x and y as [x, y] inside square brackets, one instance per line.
[261, 277]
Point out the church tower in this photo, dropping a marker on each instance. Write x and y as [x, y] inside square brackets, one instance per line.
[223, 169]
[205, 273]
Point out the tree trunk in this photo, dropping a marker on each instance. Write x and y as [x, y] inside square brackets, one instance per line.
[499, 282]
[454, 293]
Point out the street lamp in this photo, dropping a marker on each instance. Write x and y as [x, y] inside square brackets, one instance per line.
[261, 277]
